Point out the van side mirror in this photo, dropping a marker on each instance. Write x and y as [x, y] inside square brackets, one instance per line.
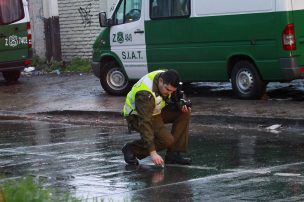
[103, 22]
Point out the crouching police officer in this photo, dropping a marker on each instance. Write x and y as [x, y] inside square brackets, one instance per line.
[153, 102]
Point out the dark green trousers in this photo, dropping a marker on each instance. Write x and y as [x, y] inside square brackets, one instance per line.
[175, 140]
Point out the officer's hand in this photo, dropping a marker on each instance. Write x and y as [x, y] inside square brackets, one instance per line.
[186, 109]
[157, 159]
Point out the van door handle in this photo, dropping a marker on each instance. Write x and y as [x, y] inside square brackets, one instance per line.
[138, 31]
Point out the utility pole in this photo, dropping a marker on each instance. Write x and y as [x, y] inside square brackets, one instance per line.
[52, 29]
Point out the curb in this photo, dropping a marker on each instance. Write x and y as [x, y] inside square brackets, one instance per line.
[108, 114]
[246, 121]
[199, 118]
[195, 118]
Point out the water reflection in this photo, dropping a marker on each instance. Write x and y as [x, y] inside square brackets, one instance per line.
[246, 150]
[88, 161]
[147, 180]
[230, 149]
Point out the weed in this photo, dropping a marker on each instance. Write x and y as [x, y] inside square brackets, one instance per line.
[79, 65]
[75, 65]
[45, 65]
[27, 189]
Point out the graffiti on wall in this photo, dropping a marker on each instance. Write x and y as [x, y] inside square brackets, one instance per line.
[86, 15]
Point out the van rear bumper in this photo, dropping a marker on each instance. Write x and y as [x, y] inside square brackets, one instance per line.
[10, 66]
[290, 68]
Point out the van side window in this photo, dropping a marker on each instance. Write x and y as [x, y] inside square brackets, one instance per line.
[11, 11]
[169, 8]
[128, 11]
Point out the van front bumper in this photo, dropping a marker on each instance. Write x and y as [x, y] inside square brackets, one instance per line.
[290, 69]
[96, 69]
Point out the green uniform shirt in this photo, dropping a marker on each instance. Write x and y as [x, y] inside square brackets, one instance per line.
[144, 105]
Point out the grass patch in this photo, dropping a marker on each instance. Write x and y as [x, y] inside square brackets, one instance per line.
[47, 66]
[27, 189]
[79, 65]
[76, 65]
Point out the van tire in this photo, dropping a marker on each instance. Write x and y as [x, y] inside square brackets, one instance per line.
[11, 76]
[246, 81]
[113, 80]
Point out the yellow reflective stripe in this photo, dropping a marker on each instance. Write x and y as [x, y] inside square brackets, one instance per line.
[129, 105]
[144, 84]
[128, 110]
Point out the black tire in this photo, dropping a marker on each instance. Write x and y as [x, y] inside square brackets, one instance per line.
[11, 76]
[246, 81]
[113, 80]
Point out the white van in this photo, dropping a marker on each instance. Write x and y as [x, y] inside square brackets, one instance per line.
[249, 42]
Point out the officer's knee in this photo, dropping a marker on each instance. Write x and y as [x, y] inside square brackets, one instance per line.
[168, 142]
[185, 115]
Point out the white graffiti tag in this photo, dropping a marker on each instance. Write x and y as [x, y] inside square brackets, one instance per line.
[14, 41]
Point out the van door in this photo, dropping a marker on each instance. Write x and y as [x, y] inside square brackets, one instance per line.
[127, 37]
[13, 34]
[298, 20]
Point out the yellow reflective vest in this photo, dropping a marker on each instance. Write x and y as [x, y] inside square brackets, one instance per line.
[144, 84]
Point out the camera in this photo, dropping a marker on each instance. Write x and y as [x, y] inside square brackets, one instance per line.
[182, 102]
[180, 98]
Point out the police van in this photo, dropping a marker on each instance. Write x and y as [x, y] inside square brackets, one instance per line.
[15, 38]
[249, 43]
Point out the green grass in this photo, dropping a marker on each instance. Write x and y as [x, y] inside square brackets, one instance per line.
[46, 66]
[28, 190]
[75, 65]
[79, 65]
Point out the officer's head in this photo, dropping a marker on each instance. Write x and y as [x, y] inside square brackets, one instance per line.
[168, 82]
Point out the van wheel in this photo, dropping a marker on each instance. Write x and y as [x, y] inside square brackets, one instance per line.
[11, 76]
[246, 81]
[113, 80]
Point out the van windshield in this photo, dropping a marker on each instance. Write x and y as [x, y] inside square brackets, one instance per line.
[128, 11]
[10, 11]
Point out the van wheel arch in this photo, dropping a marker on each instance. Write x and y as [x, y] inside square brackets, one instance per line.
[112, 77]
[246, 80]
[236, 58]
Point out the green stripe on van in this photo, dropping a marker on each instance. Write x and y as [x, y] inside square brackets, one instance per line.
[101, 45]
[199, 48]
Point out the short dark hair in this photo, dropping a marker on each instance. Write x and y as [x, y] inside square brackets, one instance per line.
[171, 77]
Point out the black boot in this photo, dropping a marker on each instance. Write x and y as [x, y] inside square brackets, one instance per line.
[128, 155]
[176, 158]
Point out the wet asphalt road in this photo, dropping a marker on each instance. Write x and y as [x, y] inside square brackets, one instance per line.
[55, 135]
[228, 164]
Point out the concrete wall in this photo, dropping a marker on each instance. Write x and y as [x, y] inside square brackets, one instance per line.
[45, 29]
[79, 26]
[52, 30]
[37, 27]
